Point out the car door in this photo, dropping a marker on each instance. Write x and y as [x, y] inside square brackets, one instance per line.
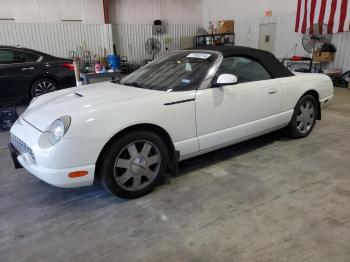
[234, 112]
[17, 70]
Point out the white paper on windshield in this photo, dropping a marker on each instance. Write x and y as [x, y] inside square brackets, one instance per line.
[199, 55]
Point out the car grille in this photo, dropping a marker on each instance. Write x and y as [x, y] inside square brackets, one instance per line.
[20, 146]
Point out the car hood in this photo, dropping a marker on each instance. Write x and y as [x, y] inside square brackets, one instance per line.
[79, 100]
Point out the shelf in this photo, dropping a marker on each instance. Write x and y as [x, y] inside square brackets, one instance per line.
[214, 39]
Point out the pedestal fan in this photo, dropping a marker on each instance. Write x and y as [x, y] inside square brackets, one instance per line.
[314, 38]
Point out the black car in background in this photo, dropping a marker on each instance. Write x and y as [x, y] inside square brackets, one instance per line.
[26, 73]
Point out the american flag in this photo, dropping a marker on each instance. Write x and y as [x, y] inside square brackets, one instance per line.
[335, 14]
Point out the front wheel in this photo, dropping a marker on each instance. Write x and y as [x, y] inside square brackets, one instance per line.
[304, 117]
[134, 164]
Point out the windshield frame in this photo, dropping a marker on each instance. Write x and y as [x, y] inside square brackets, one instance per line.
[205, 80]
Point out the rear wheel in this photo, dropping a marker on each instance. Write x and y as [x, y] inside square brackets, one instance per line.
[304, 117]
[42, 86]
[134, 164]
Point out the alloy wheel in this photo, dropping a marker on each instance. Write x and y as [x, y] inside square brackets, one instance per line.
[137, 165]
[43, 88]
[306, 117]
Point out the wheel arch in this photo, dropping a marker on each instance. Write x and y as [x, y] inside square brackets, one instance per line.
[137, 127]
[316, 95]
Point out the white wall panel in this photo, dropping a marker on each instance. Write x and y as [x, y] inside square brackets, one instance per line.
[247, 32]
[52, 11]
[238, 9]
[342, 58]
[186, 12]
[57, 39]
[287, 41]
[130, 39]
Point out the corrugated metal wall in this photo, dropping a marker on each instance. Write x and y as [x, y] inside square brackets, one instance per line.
[57, 39]
[342, 58]
[130, 39]
[247, 32]
[287, 41]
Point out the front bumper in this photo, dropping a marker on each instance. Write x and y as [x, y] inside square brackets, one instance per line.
[58, 177]
[52, 164]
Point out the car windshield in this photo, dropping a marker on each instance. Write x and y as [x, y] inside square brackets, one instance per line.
[179, 71]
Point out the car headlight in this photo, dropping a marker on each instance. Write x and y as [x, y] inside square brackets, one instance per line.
[58, 129]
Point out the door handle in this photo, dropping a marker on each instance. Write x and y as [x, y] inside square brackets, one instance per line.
[27, 68]
[273, 91]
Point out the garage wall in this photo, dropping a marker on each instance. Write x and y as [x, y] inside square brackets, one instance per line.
[186, 12]
[248, 16]
[238, 9]
[247, 34]
[51, 11]
[342, 59]
[57, 39]
[130, 39]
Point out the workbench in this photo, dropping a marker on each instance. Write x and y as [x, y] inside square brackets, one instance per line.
[88, 76]
[302, 65]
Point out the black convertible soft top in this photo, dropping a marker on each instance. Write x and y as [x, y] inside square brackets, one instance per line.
[268, 60]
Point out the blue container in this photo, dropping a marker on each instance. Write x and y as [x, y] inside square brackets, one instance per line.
[114, 61]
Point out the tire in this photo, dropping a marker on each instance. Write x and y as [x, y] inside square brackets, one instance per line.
[134, 164]
[304, 117]
[42, 86]
[342, 83]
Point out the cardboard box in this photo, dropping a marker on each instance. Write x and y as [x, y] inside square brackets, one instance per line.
[323, 56]
[326, 55]
[226, 26]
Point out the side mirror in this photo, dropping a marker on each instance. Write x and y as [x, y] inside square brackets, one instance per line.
[226, 79]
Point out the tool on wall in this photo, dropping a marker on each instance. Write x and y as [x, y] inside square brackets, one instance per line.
[153, 46]
[87, 60]
[83, 57]
[72, 54]
[167, 42]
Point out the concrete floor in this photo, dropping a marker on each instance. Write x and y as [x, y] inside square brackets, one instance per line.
[269, 199]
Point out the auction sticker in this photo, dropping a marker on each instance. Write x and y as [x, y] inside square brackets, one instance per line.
[199, 55]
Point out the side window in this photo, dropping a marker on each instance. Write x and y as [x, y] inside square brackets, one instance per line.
[247, 70]
[30, 57]
[8, 56]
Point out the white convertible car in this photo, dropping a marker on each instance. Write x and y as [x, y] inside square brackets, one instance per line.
[183, 104]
